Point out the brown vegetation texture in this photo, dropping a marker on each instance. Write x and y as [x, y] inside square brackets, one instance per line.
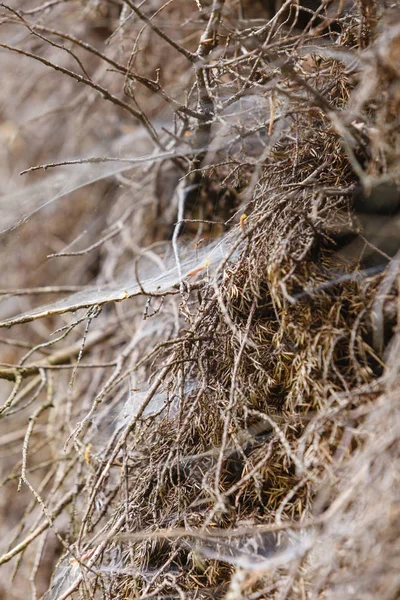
[200, 224]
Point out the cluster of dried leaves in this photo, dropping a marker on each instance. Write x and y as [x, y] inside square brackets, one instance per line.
[214, 412]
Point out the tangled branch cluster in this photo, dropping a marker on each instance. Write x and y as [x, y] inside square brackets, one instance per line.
[213, 412]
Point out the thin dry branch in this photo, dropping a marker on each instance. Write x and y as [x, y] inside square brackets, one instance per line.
[140, 116]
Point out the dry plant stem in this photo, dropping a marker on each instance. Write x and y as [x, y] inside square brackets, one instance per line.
[181, 193]
[232, 402]
[32, 399]
[293, 574]
[46, 40]
[31, 506]
[45, 6]
[17, 378]
[377, 309]
[186, 53]
[206, 104]
[37, 563]
[32, 421]
[249, 475]
[214, 533]
[208, 41]
[153, 353]
[135, 47]
[141, 117]
[271, 25]
[92, 561]
[151, 158]
[57, 358]
[301, 467]
[185, 423]
[92, 314]
[20, 344]
[62, 504]
[53, 473]
[98, 244]
[65, 331]
[151, 85]
[8, 439]
[48, 463]
[30, 386]
[93, 365]
[122, 440]
[80, 427]
[59, 289]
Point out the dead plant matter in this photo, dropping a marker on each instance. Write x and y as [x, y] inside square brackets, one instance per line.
[214, 412]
